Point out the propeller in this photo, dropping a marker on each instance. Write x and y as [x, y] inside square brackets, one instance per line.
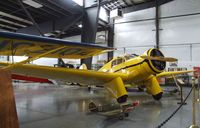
[167, 59]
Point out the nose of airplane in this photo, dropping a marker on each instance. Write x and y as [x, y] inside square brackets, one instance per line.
[159, 65]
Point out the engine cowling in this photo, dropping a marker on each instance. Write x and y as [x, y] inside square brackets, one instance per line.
[156, 65]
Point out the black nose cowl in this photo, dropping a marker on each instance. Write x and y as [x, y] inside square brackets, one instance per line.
[159, 65]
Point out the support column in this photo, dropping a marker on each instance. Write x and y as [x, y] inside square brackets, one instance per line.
[89, 29]
[111, 38]
[157, 23]
[8, 113]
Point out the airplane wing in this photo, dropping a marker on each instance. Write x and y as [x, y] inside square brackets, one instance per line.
[88, 77]
[28, 45]
[166, 74]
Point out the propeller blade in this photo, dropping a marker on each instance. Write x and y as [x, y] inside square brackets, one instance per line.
[167, 59]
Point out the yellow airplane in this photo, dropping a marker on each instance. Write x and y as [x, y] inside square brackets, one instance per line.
[134, 70]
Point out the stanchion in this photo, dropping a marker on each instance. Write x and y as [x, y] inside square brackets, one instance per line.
[182, 101]
[193, 106]
[198, 99]
[180, 87]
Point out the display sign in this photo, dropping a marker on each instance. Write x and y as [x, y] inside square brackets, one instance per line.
[197, 71]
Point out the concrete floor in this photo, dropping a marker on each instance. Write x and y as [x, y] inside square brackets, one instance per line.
[66, 107]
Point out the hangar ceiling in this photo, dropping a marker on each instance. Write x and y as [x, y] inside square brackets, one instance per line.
[113, 4]
[57, 14]
[13, 17]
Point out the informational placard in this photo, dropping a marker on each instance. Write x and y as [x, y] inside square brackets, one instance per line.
[197, 72]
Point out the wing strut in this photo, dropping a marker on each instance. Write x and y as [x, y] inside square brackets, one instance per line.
[33, 58]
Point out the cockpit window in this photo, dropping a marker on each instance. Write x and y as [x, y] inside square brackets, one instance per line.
[130, 56]
[118, 61]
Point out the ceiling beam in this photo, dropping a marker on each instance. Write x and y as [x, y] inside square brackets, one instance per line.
[67, 5]
[144, 6]
[15, 18]
[31, 18]
[11, 22]
[8, 27]
[50, 26]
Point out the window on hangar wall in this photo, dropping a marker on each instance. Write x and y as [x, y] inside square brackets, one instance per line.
[79, 2]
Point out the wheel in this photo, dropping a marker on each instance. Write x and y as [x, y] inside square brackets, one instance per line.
[157, 96]
[140, 89]
[126, 114]
[93, 107]
[89, 88]
[121, 117]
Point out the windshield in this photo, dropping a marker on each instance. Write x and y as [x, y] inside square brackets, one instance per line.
[130, 56]
[118, 61]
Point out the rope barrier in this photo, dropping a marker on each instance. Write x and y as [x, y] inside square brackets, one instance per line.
[166, 120]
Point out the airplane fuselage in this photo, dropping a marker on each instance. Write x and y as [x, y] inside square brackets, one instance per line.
[140, 71]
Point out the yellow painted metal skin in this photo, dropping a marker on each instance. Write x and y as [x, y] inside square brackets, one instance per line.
[152, 86]
[134, 71]
[137, 69]
[116, 87]
[88, 77]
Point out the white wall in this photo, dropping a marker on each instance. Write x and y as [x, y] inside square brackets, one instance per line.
[100, 41]
[3, 58]
[135, 33]
[132, 34]
[181, 30]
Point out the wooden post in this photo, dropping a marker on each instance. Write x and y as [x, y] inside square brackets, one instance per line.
[8, 113]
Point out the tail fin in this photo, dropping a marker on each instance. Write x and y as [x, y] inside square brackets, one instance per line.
[107, 66]
[83, 66]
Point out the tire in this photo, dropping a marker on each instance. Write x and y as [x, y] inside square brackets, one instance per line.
[157, 96]
[126, 114]
[121, 117]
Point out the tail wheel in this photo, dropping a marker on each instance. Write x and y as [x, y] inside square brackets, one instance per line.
[126, 114]
[122, 99]
[93, 107]
[121, 117]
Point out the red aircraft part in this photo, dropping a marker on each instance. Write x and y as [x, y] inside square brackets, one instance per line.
[28, 78]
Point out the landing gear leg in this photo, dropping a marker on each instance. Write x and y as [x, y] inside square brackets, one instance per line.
[89, 88]
[121, 117]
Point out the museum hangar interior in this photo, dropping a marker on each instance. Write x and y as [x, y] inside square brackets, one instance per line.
[99, 63]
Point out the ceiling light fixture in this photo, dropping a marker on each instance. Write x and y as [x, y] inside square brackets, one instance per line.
[15, 18]
[32, 3]
[10, 22]
[80, 25]
[5, 26]
[48, 34]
